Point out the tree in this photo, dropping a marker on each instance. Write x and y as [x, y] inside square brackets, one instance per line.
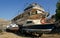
[58, 11]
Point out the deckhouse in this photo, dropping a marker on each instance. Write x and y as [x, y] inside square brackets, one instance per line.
[33, 11]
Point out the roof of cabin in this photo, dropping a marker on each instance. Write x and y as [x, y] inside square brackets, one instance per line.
[33, 5]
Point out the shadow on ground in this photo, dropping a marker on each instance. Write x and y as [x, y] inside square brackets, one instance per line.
[19, 33]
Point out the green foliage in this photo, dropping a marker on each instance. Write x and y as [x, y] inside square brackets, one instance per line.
[58, 5]
[0, 31]
[58, 10]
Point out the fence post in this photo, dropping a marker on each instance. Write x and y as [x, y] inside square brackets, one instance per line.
[1, 28]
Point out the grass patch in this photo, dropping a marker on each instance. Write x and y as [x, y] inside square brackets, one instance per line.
[0, 31]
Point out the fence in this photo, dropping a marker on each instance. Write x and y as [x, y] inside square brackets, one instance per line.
[1, 28]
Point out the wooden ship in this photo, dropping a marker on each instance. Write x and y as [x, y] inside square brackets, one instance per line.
[33, 11]
[33, 21]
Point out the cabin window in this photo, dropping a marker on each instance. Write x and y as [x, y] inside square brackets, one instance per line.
[39, 11]
[28, 13]
[22, 15]
[29, 22]
[33, 13]
[36, 12]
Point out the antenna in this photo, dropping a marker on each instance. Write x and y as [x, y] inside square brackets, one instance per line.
[48, 12]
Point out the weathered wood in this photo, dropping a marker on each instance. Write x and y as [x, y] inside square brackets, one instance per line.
[1, 29]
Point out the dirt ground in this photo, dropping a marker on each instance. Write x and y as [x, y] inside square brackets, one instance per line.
[50, 36]
[11, 35]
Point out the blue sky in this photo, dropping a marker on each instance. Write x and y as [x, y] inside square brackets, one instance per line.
[10, 8]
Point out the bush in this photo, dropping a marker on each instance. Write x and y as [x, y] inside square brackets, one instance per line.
[0, 31]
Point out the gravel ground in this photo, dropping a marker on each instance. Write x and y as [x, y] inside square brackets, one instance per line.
[12, 35]
[50, 36]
